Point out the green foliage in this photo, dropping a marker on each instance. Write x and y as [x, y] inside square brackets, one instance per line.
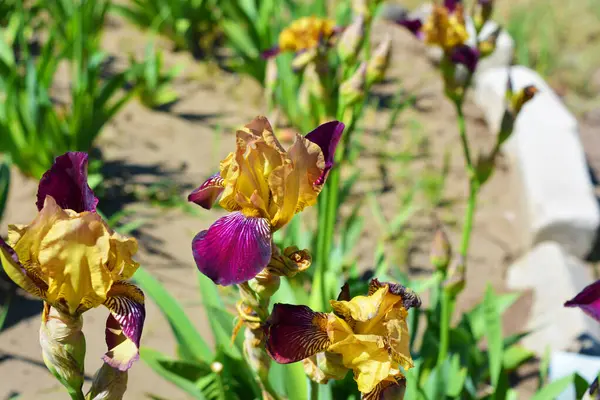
[153, 84]
[4, 185]
[190, 24]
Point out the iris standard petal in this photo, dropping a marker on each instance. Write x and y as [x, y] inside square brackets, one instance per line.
[272, 52]
[451, 4]
[327, 137]
[66, 182]
[465, 55]
[27, 280]
[588, 300]
[295, 333]
[124, 325]
[234, 249]
[206, 195]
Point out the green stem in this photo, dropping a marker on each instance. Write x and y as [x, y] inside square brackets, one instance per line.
[314, 390]
[448, 299]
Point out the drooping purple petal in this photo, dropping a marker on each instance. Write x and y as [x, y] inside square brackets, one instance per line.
[327, 137]
[588, 300]
[272, 52]
[124, 325]
[234, 249]
[465, 55]
[451, 4]
[207, 193]
[295, 333]
[414, 26]
[66, 182]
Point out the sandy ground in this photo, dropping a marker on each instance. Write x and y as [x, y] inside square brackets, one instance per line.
[184, 146]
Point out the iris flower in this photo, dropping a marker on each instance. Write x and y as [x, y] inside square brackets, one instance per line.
[73, 261]
[369, 335]
[263, 186]
[304, 34]
[445, 27]
[588, 300]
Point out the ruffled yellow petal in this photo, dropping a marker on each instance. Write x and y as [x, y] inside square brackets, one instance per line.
[75, 252]
[367, 356]
[398, 337]
[120, 262]
[18, 274]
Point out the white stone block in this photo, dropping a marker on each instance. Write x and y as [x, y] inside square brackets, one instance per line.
[564, 364]
[554, 276]
[554, 179]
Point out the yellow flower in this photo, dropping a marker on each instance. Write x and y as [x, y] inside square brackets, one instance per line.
[305, 33]
[76, 254]
[73, 261]
[446, 28]
[370, 334]
[263, 186]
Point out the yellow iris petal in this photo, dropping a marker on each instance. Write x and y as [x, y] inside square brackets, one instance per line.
[305, 33]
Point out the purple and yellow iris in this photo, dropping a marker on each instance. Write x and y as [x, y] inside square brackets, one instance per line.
[445, 27]
[366, 334]
[304, 34]
[71, 259]
[263, 186]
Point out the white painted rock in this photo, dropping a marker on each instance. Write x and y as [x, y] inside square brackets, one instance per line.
[555, 181]
[564, 364]
[555, 277]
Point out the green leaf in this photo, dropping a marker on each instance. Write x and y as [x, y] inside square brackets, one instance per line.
[220, 320]
[4, 185]
[476, 316]
[493, 331]
[554, 389]
[457, 376]
[515, 356]
[436, 383]
[191, 343]
[183, 374]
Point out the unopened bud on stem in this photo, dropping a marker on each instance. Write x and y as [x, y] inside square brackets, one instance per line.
[352, 90]
[441, 250]
[380, 61]
[351, 40]
[63, 348]
[109, 384]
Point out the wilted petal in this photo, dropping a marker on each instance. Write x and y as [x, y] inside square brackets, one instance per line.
[206, 195]
[27, 280]
[124, 325]
[409, 298]
[295, 333]
[414, 26]
[392, 389]
[327, 137]
[234, 249]
[66, 182]
[588, 300]
[465, 55]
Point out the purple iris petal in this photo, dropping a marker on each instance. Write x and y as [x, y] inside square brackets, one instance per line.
[327, 137]
[295, 333]
[272, 52]
[415, 26]
[465, 55]
[66, 182]
[451, 4]
[234, 249]
[206, 195]
[124, 325]
[588, 300]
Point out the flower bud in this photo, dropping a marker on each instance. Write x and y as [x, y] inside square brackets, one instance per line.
[441, 250]
[352, 90]
[216, 367]
[63, 348]
[304, 58]
[265, 284]
[457, 278]
[351, 40]
[313, 81]
[485, 166]
[109, 384]
[483, 13]
[290, 262]
[380, 61]
[520, 98]
[488, 45]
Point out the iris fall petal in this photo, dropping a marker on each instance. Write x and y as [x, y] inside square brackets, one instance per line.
[234, 249]
[124, 325]
[326, 136]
